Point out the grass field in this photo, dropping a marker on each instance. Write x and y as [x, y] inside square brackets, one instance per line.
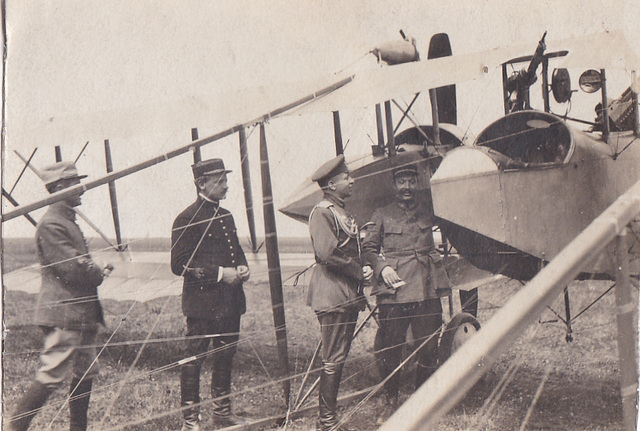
[581, 392]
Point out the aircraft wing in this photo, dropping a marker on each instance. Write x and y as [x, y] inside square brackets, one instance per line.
[602, 50]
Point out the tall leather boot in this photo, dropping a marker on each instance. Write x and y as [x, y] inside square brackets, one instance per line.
[28, 406]
[190, 394]
[220, 390]
[79, 403]
[328, 397]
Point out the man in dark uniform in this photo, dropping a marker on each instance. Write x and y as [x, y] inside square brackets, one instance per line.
[399, 247]
[334, 287]
[205, 250]
[68, 309]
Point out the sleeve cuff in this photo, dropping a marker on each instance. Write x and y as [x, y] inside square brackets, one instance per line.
[220, 274]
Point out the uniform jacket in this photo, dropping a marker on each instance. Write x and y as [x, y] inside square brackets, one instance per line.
[68, 296]
[401, 238]
[338, 271]
[207, 222]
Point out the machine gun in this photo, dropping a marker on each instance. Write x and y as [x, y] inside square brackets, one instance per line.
[520, 81]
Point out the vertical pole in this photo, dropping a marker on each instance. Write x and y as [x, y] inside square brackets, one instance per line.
[58, 153]
[627, 344]
[567, 311]
[389, 120]
[246, 185]
[545, 84]
[634, 100]
[380, 150]
[197, 155]
[337, 133]
[605, 107]
[505, 93]
[273, 262]
[112, 197]
[435, 115]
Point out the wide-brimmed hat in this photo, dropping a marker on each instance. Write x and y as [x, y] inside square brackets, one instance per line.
[60, 171]
[209, 167]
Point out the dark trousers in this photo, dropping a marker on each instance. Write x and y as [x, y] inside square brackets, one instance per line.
[425, 318]
[225, 335]
[337, 333]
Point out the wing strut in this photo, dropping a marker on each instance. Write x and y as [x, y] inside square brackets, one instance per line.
[337, 133]
[113, 198]
[246, 185]
[273, 262]
[72, 191]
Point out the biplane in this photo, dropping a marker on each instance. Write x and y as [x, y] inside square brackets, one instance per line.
[496, 157]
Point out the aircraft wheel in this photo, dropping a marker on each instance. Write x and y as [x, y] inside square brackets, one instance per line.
[462, 327]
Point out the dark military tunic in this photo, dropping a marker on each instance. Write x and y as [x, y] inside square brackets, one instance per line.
[402, 238]
[204, 236]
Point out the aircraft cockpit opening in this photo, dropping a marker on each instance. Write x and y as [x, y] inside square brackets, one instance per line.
[529, 139]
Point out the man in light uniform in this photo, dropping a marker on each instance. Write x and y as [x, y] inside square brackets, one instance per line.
[334, 289]
[68, 309]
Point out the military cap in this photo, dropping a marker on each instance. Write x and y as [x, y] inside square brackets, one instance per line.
[208, 167]
[60, 171]
[406, 163]
[330, 169]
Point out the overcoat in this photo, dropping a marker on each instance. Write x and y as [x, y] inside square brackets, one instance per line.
[204, 236]
[401, 237]
[68, 296]
[338, 272]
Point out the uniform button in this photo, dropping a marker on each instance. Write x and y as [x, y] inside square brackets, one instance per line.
[229, 241]
[233, 261]
[224, 227]
[226, 234]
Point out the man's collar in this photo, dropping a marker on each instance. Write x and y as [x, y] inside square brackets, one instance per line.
[330, 196]
[410, 205]
[64, 209]
[204, 198]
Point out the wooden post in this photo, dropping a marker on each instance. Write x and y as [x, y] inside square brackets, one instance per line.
[337, 133]
[379, 150]
[246, 185]
[627, 343]
[636, 108]
[545, 84]
[433, 95]
[58, 153]
[197, 155]
[112, 196]
[390, 138]
[605, 107]
[273, 262]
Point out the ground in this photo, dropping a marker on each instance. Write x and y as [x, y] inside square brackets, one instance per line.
[580, 393]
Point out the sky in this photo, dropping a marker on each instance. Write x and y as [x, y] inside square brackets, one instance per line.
[143, 73]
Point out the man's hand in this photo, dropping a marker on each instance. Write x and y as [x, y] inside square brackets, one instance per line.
[230, 275]
[196, 272]
[367, 273]
[390, 276]
[106, 271]
[243, 272]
